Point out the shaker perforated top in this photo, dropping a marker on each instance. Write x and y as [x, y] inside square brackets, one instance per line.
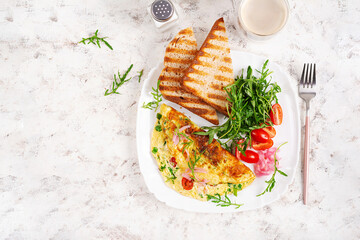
[162, 10]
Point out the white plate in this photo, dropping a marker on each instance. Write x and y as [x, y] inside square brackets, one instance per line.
[288, 131]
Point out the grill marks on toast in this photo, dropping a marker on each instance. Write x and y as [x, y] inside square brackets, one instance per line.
[178, 57]
[211, 69]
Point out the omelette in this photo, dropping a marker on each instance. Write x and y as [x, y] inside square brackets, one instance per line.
[189, 164]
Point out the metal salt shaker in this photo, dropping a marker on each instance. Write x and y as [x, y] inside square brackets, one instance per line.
[163, 13]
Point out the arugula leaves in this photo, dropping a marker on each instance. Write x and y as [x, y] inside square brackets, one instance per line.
[96, 40]
[226, 202]
[157, 98]
[250, 100]
[271, 182]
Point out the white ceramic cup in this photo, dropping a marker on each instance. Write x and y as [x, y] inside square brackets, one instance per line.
[261, 19]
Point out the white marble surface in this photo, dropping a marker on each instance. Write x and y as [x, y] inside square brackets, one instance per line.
[68, 162]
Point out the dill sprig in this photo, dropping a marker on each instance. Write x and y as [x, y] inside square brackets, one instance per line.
[250, 100]
[116, 84]
[271, 182]
[157, 97]
[226, 202]
[96, 40]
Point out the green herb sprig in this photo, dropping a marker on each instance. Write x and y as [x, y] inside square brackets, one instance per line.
[118, 83]
[140, 74]
[250, 100]
[185, 143]
[162, 167]
[157, 99]
[271, 182]
[96, 40]
[172, 176]
[226, 202]
[192, 163]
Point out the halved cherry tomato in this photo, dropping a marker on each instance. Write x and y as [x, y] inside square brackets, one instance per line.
[187, 184]
[173, 161]
[260, 135]
[276, 114]
[237, 152]
[262, 146]
[270, 130]
[249, 157]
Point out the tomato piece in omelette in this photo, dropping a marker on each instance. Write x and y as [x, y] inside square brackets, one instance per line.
[181, 154]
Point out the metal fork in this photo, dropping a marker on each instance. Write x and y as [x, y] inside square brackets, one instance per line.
[307, 92]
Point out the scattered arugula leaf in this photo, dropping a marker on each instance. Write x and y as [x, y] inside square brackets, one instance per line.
[250, 100]
[157, 97]
[96, 40]
[140, 74]
[271, 182]
[116, 84]
[226, 202]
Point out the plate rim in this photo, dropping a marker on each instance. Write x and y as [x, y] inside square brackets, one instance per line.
[298, 132]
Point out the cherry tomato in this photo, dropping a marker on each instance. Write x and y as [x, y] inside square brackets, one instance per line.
[240, 141]
[237, 152]
[173, 161]
[187, 184]
[250, 156]
[276, 114]
[262, 146]
[270, 130]
[260, 135]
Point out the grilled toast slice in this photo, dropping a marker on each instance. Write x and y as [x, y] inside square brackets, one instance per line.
[178, 56]
[211, 69]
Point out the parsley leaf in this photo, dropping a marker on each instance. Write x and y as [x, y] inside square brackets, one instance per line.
[154, 150]
[158, 128]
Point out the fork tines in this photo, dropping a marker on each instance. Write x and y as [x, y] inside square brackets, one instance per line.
[308, 77]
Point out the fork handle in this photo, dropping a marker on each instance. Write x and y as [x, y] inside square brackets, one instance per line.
[306, 159]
